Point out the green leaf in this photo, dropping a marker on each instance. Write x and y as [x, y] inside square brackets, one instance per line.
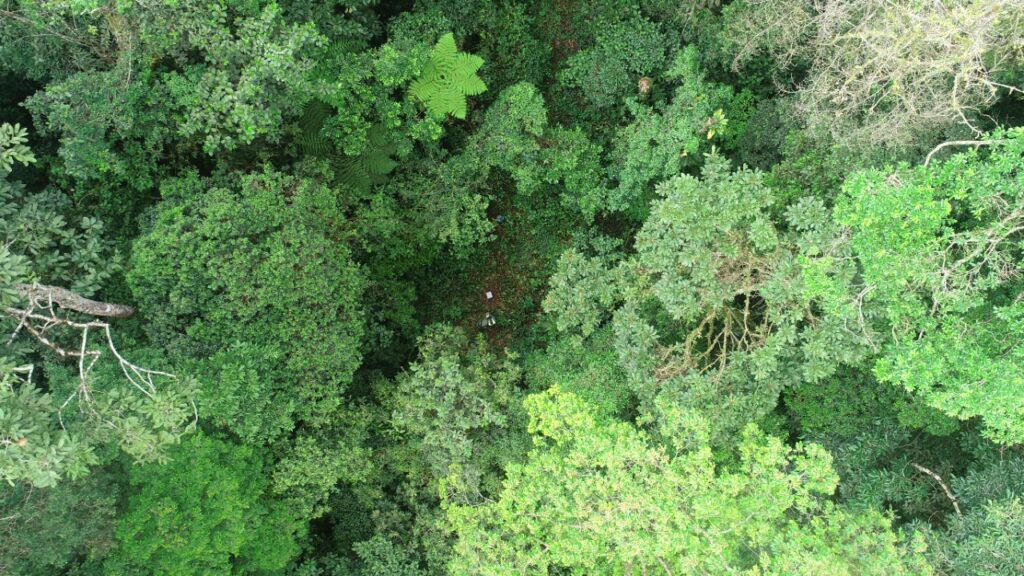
[447, 79]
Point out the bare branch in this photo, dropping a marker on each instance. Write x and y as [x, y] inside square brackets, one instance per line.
[39, 318]
[937, 478]
[71, 301]
[975, 143]
[883, 72]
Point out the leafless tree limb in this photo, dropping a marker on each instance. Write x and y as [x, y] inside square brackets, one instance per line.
[975, 143]
[71, 301]
[884, 72]
[39, 318]
[945, 488]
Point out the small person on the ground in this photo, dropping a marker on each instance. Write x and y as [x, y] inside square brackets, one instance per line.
[488, 321]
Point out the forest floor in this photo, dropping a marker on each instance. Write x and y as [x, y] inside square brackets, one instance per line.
[514, 267]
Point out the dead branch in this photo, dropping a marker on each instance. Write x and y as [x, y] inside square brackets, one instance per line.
[40, 319]
[945, 488]
[71, 301]
[975, 143]
[882, 71]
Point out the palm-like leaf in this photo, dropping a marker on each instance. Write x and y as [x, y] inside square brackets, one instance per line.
[447, 79]
[312, 140]
[372, 165]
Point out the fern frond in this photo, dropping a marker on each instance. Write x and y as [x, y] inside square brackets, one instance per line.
[311, 138]
[447, 79]
[421, 89]
[372, 165]
[358, 172]
[465, 71]
[445, 50]
[351, 171]
[379, 165]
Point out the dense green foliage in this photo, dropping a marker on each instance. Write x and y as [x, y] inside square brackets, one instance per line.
[257, 272]
[365, 288]
[208, 512]
[596, 496]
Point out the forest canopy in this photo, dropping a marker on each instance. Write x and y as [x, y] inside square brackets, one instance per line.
[491, 287]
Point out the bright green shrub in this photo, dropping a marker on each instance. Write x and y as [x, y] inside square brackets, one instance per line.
[206, 513]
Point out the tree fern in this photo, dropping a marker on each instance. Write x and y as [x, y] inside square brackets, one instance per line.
[448, 78]
[311, 139]
[359, 172]
[372, 165]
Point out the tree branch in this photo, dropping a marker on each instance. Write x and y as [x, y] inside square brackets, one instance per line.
[71, 301]
[937, 478]
[40, 317]
[974, 143]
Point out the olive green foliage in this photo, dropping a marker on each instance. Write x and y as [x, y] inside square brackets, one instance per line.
[516, 137]
[581, 293]
[33, 450]
[311, 138]
[455, 420]
[373, 164]
[597, 497]
[448, 78]
[512, 287]
[227, 68]
[708, 240]
[117, 413]
[708, 314]
[41, 229]
[664, 138]
[460, 408]
[14, 265]
[512, 46]
[381, 556]
[317, 461]
[986, 539]
[511, 134]
[232, 105]
[848, 403]
[14, 269]
[208, 512]
[589, 371]
[624, 51]
[377, 556]
[54, 530]
[42, 443]
[359, 172]
[13, 148]
[279, 276]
